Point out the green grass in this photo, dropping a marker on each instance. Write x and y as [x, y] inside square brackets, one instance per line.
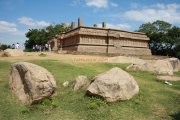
[155, 100]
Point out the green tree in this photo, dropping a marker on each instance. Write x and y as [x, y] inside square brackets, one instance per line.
[174, 36]
[4, 46]
[42, 36]
[163, 37]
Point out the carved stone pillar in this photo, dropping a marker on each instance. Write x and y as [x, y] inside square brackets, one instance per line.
[80, 22]
[73, 25]
[103, 25]
[55, 44]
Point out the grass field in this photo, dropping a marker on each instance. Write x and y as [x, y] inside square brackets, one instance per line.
[155, 101]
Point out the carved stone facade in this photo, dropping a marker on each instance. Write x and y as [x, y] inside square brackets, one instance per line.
[102, 40]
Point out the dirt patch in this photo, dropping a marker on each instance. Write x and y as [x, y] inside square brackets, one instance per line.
[1, 53]
[69, 58]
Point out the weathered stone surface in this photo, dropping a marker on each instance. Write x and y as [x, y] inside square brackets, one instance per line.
[175, 64]
[13, 53]
[113, 85]
[66, 84]
[165, 66]
[31, 83]
[80, 82]
[125, 59]
[168, 78]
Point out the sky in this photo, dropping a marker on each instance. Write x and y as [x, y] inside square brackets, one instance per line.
[18, 16]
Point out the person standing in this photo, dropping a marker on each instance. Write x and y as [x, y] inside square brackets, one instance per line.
[46, 47]
[17, 46]
[34, 48]
[49, 47]
[13, 46]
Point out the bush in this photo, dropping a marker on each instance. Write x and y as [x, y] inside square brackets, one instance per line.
[3, 47]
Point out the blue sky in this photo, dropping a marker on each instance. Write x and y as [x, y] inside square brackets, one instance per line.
[17, 16]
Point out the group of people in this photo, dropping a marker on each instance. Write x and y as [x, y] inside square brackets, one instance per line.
[39, 48]
[15, 46]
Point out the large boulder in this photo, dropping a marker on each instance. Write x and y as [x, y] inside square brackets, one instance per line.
[113, 85]
[165, 66]
[175, 64]
[81, 82]
[31, 83]
[12, 53]
[168, 78]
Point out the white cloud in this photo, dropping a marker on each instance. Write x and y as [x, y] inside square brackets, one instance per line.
[166, 12]
[97, 3]
[6, 27]
[33, 23]
[116, 26]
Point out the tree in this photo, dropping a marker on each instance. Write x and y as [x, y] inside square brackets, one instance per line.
[4, 46]
[42, 36]
[163, 37]
[174, 35]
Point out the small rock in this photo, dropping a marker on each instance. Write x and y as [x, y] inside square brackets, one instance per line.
[66, 84]
[81, 82]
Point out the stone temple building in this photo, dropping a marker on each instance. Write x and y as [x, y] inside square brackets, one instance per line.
[85, 39]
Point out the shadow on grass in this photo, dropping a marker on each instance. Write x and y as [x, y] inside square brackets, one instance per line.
[176, 116]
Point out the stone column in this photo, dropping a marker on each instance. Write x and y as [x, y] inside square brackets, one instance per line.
[55, 47]
[80, 22]
[73, 25]
[103, 25]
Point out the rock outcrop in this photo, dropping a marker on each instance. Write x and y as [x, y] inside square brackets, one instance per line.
[168, 78]
[12, 53]
[175, 64]
[125, 59]
[113, 85]
[31, 83]
[165, 66]
[81, 82]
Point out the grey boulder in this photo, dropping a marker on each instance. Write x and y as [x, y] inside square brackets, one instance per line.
[31, 83]
[113, 85]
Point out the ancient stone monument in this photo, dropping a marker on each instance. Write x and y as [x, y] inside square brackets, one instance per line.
[101, 40]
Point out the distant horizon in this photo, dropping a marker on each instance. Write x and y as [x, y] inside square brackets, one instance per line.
[18, 16]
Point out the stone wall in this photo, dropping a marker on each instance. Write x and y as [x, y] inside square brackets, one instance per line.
[70, 48]
[92, 40]
[91, 49]
[128, 42]
[99, 40]
[129, 51]
[73, 40]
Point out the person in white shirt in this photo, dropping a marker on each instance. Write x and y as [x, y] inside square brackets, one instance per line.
[49, 47]
[17, 46]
